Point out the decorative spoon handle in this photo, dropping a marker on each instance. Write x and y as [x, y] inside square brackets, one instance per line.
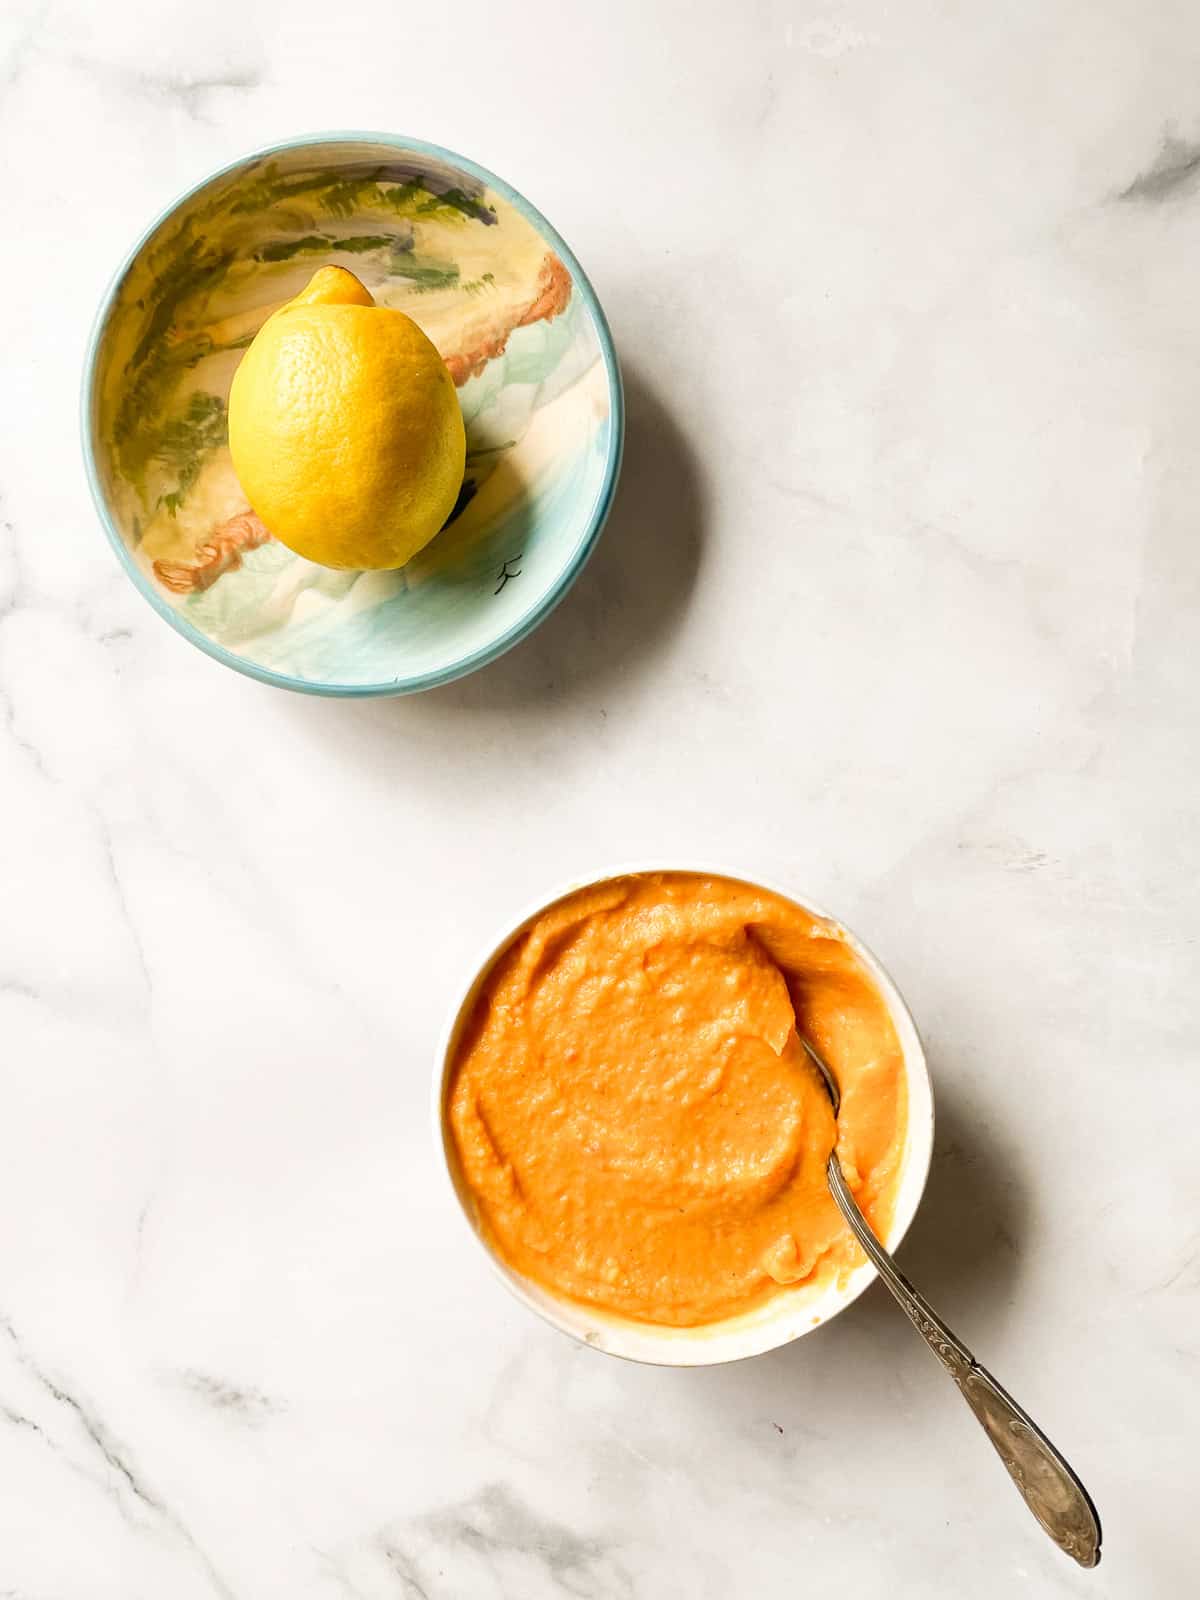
[1047, 1484]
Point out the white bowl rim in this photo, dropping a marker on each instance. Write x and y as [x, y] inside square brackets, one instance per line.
[738, 1338]
[592, 527]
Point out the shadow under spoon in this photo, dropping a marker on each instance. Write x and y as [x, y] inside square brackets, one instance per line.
[1041, 1473]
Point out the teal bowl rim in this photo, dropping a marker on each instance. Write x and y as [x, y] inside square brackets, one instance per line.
[596, 517]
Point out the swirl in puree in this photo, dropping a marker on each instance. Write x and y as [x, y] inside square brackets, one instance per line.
[634, 1120]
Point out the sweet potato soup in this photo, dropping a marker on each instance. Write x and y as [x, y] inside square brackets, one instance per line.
[634, 1119]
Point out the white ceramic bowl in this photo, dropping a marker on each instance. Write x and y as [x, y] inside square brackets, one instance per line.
[782, 1319]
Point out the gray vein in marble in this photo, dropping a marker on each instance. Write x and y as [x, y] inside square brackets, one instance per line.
[405, 1569]
[8, 720]
[1174, 168]
[126, 914]
[190, 92]
[176, 88]
[139, 1245]
[245, 1404]
[492, 1524]
[1187, 1274]
[337, 1573]
[113, 1455]
[994, 572]
[16, 593]
[15, 986]
[12, 597]
[254, 894]
[91, 1424]
[13, 63]
[8, 547]
[1011, 854]
[17, 1420]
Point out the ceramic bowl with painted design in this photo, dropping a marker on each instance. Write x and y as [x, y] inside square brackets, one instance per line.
[525, 340]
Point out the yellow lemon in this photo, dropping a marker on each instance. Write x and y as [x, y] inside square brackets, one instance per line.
[345, 429]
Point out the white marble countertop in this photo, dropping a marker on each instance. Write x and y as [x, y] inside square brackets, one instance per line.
[899, 602]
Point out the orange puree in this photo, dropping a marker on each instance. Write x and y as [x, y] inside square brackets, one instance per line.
[633, 1117]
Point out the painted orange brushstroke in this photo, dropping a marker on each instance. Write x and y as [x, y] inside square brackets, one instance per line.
[553, 293]
[221, 552]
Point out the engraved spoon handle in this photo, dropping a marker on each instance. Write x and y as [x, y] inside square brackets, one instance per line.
[1042, 1475]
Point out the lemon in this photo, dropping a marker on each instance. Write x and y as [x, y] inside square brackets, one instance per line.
[345, 429]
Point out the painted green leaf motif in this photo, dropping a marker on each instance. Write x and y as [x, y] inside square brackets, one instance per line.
[185, 440]
[457, 200]
[342, 197]
[479, 285]
[358, 243]
[423, 276]
[285, 249]
[270, 189]
[196, 267]
[156, 364]
[351, 244]
[413, 199]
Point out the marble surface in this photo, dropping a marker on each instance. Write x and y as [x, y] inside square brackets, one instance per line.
[898, 603]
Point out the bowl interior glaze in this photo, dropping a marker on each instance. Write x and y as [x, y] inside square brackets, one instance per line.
[511, 313]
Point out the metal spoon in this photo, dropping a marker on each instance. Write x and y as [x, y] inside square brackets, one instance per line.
[1047, 1484]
